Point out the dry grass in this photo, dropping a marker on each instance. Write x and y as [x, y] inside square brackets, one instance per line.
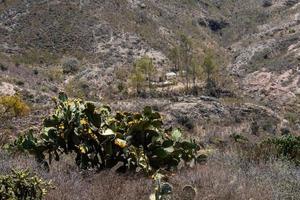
[228, 174]
[72, 184]
[225, 176]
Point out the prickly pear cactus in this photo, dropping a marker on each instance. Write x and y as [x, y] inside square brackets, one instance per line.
[21, 184]
[163, 190]
[101, 139]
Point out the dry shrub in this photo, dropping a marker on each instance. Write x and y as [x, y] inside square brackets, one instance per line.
[36, 56]
[54, 73]
[4, 137]
[77, 88]
[104, 185]
[226, 176]
[12, 106]
[70, 65]
[73, 184]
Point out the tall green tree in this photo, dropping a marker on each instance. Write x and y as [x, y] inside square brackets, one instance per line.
[186, 54]
[142, 74]
[174, 56]
[210, 71]
[196, 72]
[147, 68]
[137, 80]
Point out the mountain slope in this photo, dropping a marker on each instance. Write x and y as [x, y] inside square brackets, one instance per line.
[256, 42]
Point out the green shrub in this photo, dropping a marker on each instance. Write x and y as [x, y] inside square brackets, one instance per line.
[3, 67]
[292, 31]
[21, 185]
[102, 140]
[20, 82]
[185, 121]
[286, 147]
[239, 138]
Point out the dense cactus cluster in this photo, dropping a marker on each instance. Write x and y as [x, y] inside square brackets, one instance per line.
[22, 185]
[102, 140]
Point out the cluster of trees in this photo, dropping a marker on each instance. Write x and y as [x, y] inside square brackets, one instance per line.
[189, 64]
[143, 71]
[190, 67]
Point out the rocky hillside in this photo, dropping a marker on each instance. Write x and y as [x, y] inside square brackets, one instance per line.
[256, 42]
[268, 59]
[221, 79]
[102, 34]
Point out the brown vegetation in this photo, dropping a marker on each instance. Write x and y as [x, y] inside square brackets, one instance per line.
[225, 176]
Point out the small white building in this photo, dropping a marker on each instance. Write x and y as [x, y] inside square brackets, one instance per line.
[171, 76]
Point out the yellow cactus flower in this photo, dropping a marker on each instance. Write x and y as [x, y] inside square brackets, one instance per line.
[61, 126]
[70, 103]
[121, 143]
[83, 149]
[133, 122]
[83, 122]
